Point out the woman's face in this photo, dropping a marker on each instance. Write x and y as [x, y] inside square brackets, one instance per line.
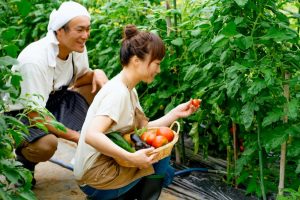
[149, 70]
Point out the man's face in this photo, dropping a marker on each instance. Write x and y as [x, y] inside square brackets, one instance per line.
[74, 35]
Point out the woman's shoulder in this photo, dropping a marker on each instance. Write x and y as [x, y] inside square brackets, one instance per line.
[115, 84]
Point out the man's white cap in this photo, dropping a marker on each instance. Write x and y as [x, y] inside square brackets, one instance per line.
[66, 12]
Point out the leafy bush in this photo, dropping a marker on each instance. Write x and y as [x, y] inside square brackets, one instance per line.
[15, 181]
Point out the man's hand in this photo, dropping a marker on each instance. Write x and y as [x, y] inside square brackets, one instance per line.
[99, 79]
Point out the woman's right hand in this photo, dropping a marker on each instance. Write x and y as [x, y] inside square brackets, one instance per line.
[143, 158]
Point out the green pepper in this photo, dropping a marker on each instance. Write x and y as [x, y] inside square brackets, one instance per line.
[120, 141]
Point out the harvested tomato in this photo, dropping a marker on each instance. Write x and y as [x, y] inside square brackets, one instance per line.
[159, 141]
[196, 102]
[166, 132]
[148, 137]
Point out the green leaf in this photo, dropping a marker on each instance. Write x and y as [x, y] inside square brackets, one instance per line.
[252, 186]
[257, 86]
[170, 106]
[273, 138]
[9, 34]
[206, 47]
[244, 42]
[11, 175]
[219, 41]
[298, 167]
[233, 86]
[293, 109]
[241, 3]
[195, 136]
[3, 125]
[196, 32]
[24, 7]
[243, 177]
[17, 135]
[7, 60]
[167, 93]
[272, 116]
[16, 80]
[41, 126]
[106, 51]
[58, 125]
[279, 34]
[247, 114]
[208, 66]
[11, 50]
[4, 194]
[28, 194]
[294, 130]
[191, 72]
[195, 44]
[177, 42]
[229, 30]
[294, 148]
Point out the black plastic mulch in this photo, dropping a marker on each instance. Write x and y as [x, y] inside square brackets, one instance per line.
[201, 185]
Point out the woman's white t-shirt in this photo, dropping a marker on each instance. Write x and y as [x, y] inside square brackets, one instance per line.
[118, 103]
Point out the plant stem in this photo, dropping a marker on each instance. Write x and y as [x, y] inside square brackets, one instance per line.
[261, 168]
[175, 15]
[228, 164]
[168, 19]
[286, 92]
[234, 149]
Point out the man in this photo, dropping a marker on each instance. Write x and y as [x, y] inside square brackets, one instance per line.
[49, 67]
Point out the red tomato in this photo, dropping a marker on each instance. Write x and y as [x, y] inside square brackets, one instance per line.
[242, 148]
[196, 102]
[148, 137]
[166, 132]
[159, 141]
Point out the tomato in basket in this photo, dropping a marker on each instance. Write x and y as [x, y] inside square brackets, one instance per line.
[159, 141]
[148, 137]
[166, 132]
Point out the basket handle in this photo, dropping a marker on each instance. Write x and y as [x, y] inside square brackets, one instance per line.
[178, 126]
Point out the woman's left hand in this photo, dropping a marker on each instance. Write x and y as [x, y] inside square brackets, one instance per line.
[185, 109]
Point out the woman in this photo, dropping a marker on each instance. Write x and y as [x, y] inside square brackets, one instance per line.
[116, 108]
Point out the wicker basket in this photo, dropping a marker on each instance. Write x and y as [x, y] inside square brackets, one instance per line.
[163, 151]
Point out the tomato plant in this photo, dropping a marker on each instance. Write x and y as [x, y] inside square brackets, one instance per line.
[159, 141]
[166, 132]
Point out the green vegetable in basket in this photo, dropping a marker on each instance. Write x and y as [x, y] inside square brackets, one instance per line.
[139, 132]
[120, 141]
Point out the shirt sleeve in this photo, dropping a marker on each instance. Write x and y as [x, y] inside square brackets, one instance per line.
[35, 86]
[113, 106]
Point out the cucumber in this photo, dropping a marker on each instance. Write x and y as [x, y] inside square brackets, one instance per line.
[120, 141]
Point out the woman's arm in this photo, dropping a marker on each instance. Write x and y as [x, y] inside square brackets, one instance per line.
[96, 138]
[181, 111]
